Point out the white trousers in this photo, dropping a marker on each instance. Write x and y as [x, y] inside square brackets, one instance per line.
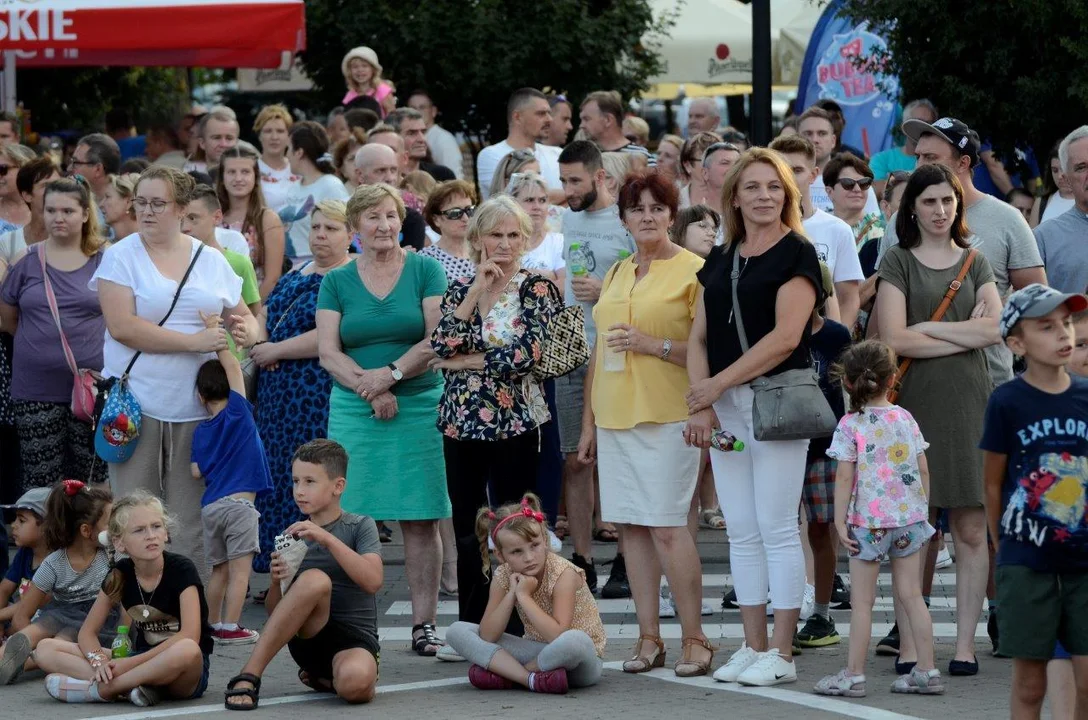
[760, 491]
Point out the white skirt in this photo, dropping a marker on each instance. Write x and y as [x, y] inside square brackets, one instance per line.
[647, 475]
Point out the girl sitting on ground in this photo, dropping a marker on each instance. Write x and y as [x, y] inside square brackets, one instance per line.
[564, 638]
[161, 600]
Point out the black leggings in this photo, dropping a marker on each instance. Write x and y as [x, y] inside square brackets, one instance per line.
[476, 470]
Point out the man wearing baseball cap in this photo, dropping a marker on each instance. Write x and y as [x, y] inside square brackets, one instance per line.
[1035, 441]
[998, 230]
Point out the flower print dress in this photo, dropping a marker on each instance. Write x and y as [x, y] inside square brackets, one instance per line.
[884, 443]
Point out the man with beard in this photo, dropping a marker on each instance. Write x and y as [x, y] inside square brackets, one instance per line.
[412, 129]
[528, 118]
[593, 240]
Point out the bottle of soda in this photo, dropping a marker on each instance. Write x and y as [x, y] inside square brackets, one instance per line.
[122, 644]
[725, 441]
[578, 262]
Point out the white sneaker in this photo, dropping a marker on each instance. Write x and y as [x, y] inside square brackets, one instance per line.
[944, 559]
[665, 606]
[738, 662]
[769, 669]
[448, 654]
[808, 602]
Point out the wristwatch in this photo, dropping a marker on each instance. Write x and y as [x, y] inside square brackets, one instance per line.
[666, 348]
[397, 374]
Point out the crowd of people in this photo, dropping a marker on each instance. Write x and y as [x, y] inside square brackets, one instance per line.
[338, 329]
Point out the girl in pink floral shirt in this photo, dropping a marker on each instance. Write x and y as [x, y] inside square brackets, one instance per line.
[881, 511]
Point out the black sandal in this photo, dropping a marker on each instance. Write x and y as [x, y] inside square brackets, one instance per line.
[322, 686]
[429, 639]
[253, 693]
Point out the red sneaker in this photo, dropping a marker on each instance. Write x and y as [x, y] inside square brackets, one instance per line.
[484, 679]
[553, 682]
[239, 636]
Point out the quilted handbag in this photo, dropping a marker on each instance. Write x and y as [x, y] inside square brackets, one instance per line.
[565, 349]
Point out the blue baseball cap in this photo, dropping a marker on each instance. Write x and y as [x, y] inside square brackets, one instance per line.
[1036, 301]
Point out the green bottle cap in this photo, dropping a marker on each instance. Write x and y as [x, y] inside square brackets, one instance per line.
[575, 246]
[122, 629]
[738, 445]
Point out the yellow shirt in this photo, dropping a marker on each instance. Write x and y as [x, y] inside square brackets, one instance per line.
[662, 305]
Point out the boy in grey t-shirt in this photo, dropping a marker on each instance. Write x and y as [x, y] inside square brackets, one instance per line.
[328, 612]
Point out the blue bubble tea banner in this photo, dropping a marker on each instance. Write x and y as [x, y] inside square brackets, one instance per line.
[831, 71]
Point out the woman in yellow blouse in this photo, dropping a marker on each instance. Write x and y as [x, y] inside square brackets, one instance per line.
[632, 426]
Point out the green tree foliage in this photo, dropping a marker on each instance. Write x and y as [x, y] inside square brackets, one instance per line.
[1012, 69]
[470, 54]
[78, 98]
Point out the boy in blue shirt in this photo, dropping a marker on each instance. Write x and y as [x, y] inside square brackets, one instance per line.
[1035, 442]
[228, 453]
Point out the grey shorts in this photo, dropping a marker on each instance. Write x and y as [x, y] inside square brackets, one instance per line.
[879, 544]
[230, 530]
[570, 401]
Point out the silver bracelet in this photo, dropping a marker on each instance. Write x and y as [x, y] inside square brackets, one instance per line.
[666, 349]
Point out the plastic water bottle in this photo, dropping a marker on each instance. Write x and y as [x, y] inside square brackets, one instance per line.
[578, 262]
[623, 255]
[122, 644]
[725, 441]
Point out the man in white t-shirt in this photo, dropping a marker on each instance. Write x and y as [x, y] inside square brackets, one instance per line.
[445, 150]
[818, 127]
[833, 238]
[529, 118]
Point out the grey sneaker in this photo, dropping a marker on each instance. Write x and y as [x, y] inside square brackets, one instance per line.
[16, 652]
[921, 682]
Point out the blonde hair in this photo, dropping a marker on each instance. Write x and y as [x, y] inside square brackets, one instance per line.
[489, 216]
[125, 186]
[420, 184]
[791, 208]
[519, 182]
[120, 515]
[18, 154]
[675, 140]
[368, 196]
[335, 210]
[637, 127]
[618, 165]
[523, 525]
[273, 112]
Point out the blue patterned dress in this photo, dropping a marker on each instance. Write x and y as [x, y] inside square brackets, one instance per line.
[292, 404]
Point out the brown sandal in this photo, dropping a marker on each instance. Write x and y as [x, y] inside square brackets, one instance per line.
[641, 663]
[693, 668]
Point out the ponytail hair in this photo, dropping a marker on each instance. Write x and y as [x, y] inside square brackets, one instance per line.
[526, 519]
[71, 505]
[865, 370]
[309, 137]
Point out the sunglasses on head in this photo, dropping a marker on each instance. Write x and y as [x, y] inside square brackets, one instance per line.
[849, 183]
[456, 213]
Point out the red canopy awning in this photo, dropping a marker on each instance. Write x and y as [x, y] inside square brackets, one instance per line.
[202, 33]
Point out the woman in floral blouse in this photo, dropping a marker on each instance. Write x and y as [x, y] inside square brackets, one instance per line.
[488, 341]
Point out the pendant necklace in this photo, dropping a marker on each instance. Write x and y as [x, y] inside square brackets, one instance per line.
[139, 588]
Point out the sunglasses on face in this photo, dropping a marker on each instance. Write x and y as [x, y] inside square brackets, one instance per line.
[850, 184]
[456, 213]
[5, 169]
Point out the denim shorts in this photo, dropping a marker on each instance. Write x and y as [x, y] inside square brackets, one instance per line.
[879, 544]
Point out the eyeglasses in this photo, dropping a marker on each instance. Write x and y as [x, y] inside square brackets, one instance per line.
[73, 162]
[456, 213]
[157, 206]
[850, 183]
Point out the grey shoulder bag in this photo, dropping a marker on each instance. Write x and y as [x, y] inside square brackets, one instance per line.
[789, 405]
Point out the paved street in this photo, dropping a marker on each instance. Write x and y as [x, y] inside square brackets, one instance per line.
[412, 687]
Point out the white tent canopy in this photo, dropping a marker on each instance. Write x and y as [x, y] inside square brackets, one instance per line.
[711, 42]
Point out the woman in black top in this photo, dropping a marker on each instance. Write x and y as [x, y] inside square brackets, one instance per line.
[759, 488]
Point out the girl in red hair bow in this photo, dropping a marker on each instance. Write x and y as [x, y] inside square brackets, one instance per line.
[564, 638]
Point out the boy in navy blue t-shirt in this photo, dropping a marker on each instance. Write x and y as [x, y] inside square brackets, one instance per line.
[27, 533]
[228, 453]
[1036, 472]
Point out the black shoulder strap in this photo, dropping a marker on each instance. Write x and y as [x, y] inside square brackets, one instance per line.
[177, 294]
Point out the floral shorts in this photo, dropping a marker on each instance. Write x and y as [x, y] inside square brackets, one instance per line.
[878, 544]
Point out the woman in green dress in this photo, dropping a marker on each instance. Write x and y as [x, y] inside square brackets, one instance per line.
[375, 316]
